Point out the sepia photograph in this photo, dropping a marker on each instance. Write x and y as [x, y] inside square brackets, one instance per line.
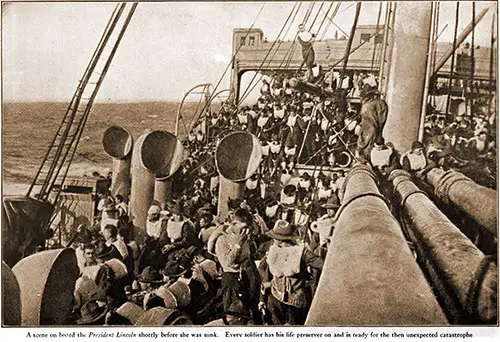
[265, 163]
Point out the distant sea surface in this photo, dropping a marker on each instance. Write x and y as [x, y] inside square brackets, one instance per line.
[28, 129]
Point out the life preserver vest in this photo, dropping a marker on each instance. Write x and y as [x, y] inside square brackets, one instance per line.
[285, 261]
[300, 218]
[154, 228]
[242, 118]
[380, 158]
[306, 37]
[290, 151]
[251, 184]
[324, 124]
[262, 121]
[265, 150]
[292, 120]
[271, 211]
[275, 148]
[279, 113]
[306, 184]
[417, 162]
[174, 230]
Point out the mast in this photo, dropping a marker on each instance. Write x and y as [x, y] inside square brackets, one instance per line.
[428, 72]
[407, 73]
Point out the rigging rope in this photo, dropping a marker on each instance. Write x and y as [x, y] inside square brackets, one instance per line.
[317, 15]
[349, 43]
[228, 65]
[375, 43]
[434, 47]
[291, 50]
[247, 92]
[268, 52]
[324, 19]
[452, 72]
[492, 57]
[330, 21]
[472, 64]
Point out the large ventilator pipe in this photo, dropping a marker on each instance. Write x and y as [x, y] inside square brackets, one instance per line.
[152, 153]
[47, 283]
[478, 201]
[370, 276]
[465, 279]
[117, 143]
[11, 297]
[407, 73]
[237, 157]
[174, 156]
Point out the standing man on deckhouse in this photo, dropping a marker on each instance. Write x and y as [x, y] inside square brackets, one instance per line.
[306, 40]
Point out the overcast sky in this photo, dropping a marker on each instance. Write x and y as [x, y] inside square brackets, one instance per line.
[167, 49]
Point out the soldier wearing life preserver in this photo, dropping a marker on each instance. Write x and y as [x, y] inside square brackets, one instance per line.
[414, 159]
[373, 117]
[306, 40]
[179, 232]
[284, 293]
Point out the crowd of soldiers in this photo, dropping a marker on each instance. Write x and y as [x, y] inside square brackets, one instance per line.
[260, 264]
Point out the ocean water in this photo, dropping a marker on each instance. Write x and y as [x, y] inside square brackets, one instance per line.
[28, 129]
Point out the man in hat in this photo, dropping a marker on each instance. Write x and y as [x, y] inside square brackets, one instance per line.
[236, 315]
[373, 117]
[92, 313]
[234, 250]
[112, 277]
[284, 272]
[323, 227]
[147, 282]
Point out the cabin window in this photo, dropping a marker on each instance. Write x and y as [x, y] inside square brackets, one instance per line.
[242, 41]
[251, 41]
[379, 39]
[365, 37]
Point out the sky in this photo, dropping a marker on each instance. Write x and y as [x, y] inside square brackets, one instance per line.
[168, 48]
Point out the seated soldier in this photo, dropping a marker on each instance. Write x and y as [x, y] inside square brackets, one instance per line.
[414, 160]
[179, 232]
